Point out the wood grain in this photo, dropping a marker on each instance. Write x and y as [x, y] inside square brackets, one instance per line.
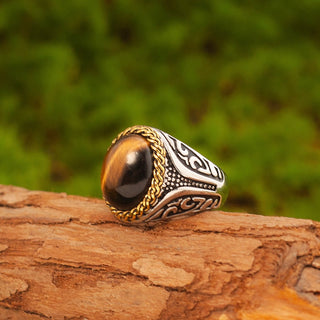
[67, 257]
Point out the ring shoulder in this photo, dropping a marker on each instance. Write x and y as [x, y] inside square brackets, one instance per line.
[191, 164]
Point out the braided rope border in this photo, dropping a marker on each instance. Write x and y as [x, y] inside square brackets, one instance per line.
[159, 156]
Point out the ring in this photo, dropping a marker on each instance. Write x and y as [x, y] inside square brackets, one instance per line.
[148, 175]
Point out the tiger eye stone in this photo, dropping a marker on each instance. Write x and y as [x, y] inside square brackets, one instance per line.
[127, 172]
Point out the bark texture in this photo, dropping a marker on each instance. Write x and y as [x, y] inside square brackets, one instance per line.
[67, 257]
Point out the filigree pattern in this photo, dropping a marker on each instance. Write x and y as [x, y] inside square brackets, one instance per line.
[187, 204]
[173, 180]
[193, 160]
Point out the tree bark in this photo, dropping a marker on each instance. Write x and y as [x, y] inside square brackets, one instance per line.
[67, 257]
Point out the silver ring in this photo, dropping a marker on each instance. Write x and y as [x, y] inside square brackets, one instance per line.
[148, 175]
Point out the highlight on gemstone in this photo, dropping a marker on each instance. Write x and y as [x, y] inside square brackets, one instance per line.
[127, 172]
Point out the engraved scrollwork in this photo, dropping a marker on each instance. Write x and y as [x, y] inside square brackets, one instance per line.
[173, 180]
[187, 204]
[192, 160]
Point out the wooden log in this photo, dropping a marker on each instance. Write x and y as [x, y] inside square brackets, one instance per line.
[67, 257]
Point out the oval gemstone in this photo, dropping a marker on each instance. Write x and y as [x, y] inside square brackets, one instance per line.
[127, 172]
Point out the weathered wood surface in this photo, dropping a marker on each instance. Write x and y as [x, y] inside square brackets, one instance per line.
[66, 257]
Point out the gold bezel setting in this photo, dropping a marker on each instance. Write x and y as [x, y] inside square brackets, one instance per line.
[159, 156]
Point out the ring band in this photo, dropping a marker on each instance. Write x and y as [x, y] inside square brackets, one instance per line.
[148, 175]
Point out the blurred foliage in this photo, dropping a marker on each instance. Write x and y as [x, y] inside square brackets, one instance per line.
[238, 81]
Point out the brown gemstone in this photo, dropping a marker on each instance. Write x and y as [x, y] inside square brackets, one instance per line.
[127, 172]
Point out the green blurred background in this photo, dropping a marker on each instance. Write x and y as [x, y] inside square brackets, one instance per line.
[236, 80]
